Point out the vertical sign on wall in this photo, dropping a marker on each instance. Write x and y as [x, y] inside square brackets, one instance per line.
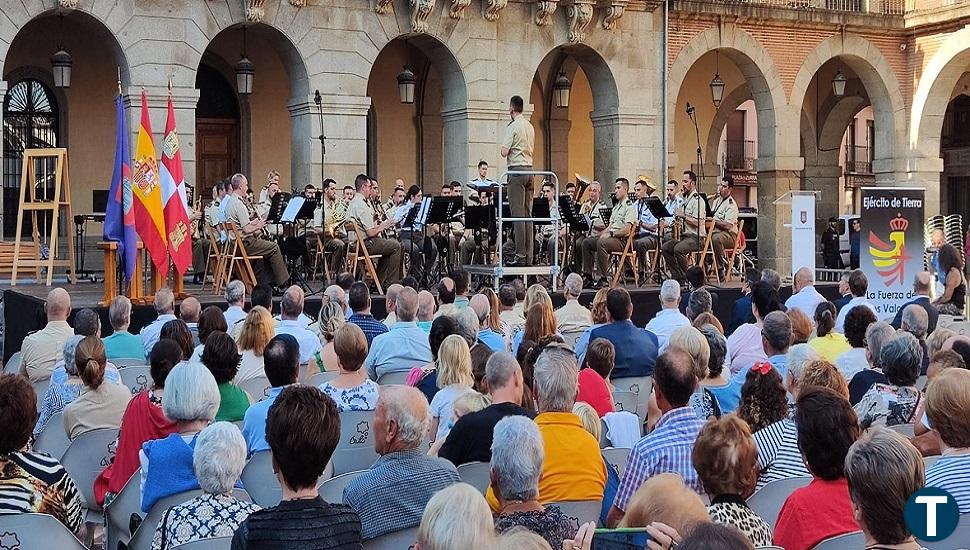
[891, 245]
[802, 230]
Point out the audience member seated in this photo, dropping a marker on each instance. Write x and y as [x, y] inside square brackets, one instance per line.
[494, 340]
[717, 383]
[516, 465]
[122, 344]
[696, 279]
[189, 312]
[593, 424]
[802, 327]
[402, 348]
[594, 378]
[573, 468]
[391, 495]
[854, 360]
[709, 536]
[217, 460]
[262, 296]
[664, 500]
[828, 343]
[66, 384]
[211, 320]
[257, 331]
[165, 310]
[915, 322]
[540, 321]
[776, 335]
[883, 469]
[947, 403]
[480, 354]
[31, 482]
[573, 318]
[352, 390]
[281, 360]
[636, 349]
[426, 379]
[858, 285]
[390, 302]
[507, 300]
[669, 318]
[101, 403]
[921, 287]
[222, 359]
[470, 439]
[41, 350]
[190, 400]
[708, 318]
[291, 308]
[177, 330]
[953, 298]
[359, 299]
[827, 427]
[331, 318]
[926, 441]
[446, 297]
[724, 456]
[804, 295]
[698, 303]
[877, 335]
[235, 295]
[302, 429]
[600, 317]
[824, 374]
[426, 307]
[338, 294]
[691, 340]
[744, 345]
[456, 518]
[741, 313]
[763, 398]
[668, 447]
[894, 402]
[144, 421]
[454, 377]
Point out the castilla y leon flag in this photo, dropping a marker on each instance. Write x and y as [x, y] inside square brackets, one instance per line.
[173, 196]
[147, 192]
[119, 220]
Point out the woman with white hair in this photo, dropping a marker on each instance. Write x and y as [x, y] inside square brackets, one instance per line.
[516, 465]
[218, 460]
[456, 518]
[896, 401]
[191, 400]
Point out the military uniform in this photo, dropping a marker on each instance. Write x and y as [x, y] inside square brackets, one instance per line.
[519, 140]
[624, 213]
[646, 240]
[238, 213]
[592, 211]
[725, 210]
[691, 239]
[334, 241]
[389, 264]
[671, 205]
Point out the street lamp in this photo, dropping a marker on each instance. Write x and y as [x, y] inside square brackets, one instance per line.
[245, 71]
[405, 85]
[561, 90]
[717, 90]
[61, 67]
[838, 83]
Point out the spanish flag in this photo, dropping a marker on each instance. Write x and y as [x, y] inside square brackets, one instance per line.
[147, 193]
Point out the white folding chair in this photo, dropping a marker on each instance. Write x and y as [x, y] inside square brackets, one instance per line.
[572, 336]
[332, 490]
[124, 362]
[257, 387]
[53, 440]
[843, 542]
[641, 386]
[260, 482]
[767, 501]
[625, 401]
[617, 456]
[319, 378]
[84, 460]
[218, 543]
[929, 461]
[392, 378]
[475, 474]
[142, 537]
[583, 510]
[13, 365]
[138, 378]
[958, 540]
[118, 512]
[40, 390]
[355, 450]
[904, 429]
[397, 540]
[36, 532]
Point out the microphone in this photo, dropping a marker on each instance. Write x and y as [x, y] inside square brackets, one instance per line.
[690, 108]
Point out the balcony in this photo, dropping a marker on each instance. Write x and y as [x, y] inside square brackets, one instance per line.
[881, 7]
[858, 160]
[739, 155]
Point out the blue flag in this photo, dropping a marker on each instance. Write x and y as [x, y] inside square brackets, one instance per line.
[119, 219]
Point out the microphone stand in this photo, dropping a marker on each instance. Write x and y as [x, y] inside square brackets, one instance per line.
[700, 168]
[323, 204]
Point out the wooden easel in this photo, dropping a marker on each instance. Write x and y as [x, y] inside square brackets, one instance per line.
[29, 203]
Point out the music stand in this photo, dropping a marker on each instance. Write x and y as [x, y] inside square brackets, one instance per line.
[657, 208]
[540, 209]
[442, 211]
[569, 211]
[277, 206]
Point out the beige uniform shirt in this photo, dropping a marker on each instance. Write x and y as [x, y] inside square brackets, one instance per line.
[726, 210]
[212, 214]
[520, 139]
[694, 209]
[573, 317]
[360, 211]
[96, 409]
[41, 350]
[592, 210]
[624, 213]
[237, 212]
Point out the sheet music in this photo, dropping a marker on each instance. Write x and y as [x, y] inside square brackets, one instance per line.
[423, 212]
[292, 208]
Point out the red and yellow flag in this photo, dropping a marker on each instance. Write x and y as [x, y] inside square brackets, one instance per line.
[173, 196]
[147, 193]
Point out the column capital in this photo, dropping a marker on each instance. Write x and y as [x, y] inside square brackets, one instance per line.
[332, 104]
[182, 97]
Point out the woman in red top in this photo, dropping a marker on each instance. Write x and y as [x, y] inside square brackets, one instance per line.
[594, 380]
[143, 421]
[827, 427]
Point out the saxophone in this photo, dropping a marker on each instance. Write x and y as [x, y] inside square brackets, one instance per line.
[338, 215]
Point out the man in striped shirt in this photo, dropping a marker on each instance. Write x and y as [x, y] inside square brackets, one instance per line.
[947, 403]
[668, 447]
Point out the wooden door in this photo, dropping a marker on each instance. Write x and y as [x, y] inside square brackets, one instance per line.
[217, 151]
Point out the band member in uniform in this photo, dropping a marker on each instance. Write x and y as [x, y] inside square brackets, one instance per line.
[692, 215]
[262, 209]
[517, 146]
[330, 229]
[359, 211]
[672, 202]
[348, 194]
[546, 237]
[646, 238]
[396, 200]
[725, 213]
[591, 209]
[422, 251]
[273, 178]
[251, 225]
[623, 220]
[482, 178]
[571, 190]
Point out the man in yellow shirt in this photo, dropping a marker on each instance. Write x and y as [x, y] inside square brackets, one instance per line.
[517, 147]
[573, 468]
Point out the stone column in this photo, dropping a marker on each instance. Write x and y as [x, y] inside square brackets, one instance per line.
[302, 112]
[776, 176]
[184, 100]
[345, 125]
[431, 155]
[824, 177]
[558, 144]
[925, 172]
[624, 145]
[473, 133]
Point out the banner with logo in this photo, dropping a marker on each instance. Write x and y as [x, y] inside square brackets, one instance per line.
[802, 230]
[891, 245]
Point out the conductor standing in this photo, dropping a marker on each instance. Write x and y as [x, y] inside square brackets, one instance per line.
[517, 147]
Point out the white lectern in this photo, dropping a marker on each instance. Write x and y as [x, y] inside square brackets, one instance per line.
[802, 225]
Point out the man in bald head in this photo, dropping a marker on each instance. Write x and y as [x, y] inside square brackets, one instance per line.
[393, 493]
[405, 345]
[921, 291]
[291, 308]
[165, 308]
[390, 300]
[189, 311]
[40, 350]
[446, 296]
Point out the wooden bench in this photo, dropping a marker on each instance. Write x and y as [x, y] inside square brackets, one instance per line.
[27, 249]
